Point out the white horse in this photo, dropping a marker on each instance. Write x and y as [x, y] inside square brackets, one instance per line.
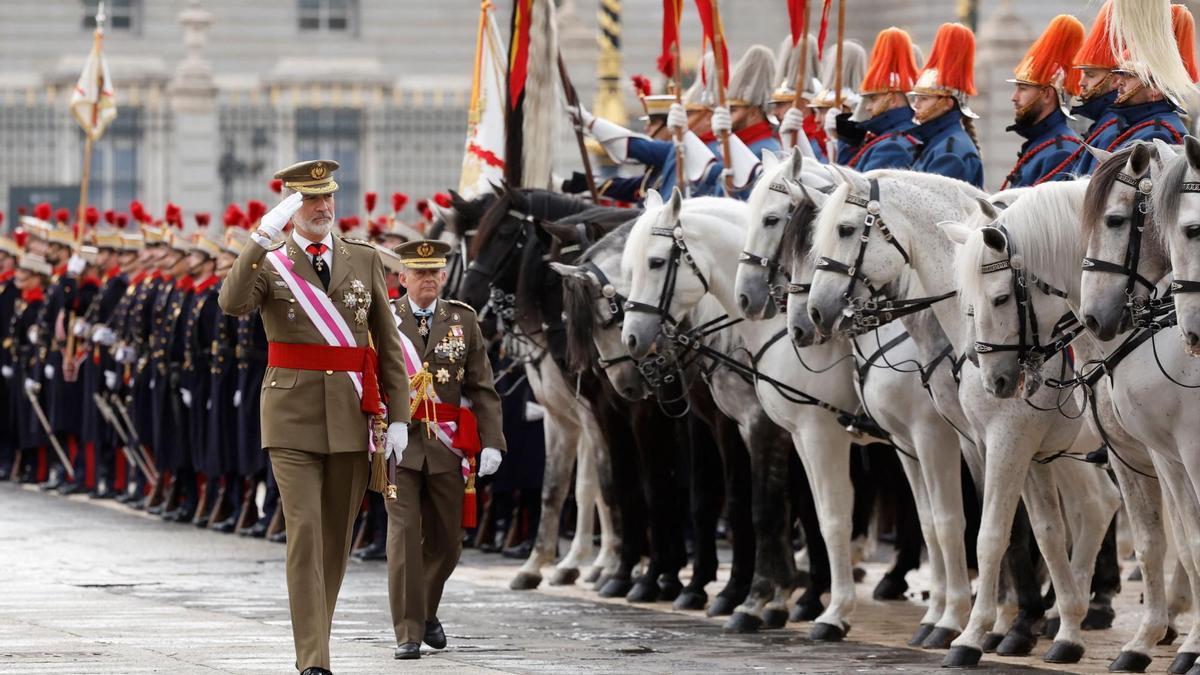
[875, 225]
[929, 449]
[1004, 273]
[674, 257]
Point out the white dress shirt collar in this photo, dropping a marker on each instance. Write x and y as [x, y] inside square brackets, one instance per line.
[303, 243]
[414, 306]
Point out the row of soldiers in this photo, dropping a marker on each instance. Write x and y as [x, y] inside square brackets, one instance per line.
[892, 112]
[123, 379]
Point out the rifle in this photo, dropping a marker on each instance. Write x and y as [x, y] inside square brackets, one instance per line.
[109, 416]
[31, 394]
[133, 435]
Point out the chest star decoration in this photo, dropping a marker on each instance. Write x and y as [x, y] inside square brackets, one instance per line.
[443, 376]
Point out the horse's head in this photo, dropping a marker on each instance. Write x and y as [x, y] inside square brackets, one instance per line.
[1122, 265]
[773, 202]
[664, 280]
[1177, 216]
[856, 253]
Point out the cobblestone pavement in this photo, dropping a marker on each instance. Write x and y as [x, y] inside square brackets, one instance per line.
[95, 588]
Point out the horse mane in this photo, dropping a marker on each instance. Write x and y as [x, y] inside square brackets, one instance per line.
[470, 211]
[797, 234]
[1043, 229]
[1100, 186]
[543, 204]
[1167, 195]
[579, 301]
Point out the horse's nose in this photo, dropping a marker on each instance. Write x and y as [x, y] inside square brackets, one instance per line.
[797, 335]
[1192, 339]
[743, 301]
[998, 382]
[1092, 324]
[631, 342]
[815, 315]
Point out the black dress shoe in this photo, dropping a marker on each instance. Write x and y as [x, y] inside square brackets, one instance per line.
[225, 526]
[71, 489]
[434, 635]
[407, 651]
[518, 552]
[257, 530]
[316, 671]
[103, 493]
[278, 538]
[375, 551]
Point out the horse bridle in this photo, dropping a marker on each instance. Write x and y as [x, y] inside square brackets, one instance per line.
[1186, 285]
[679, 251]
[1031, 354]
[616, 314]
[777, 292]
[1133, 247]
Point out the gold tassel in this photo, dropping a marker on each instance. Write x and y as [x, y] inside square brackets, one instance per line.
[379, 480]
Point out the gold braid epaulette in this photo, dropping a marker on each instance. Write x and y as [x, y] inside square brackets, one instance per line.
[421, 383]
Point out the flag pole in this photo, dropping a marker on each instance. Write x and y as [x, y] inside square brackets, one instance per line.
[680, 176]
[798, 101]
[573, 101]
[837, 79]
[97, 45]
[473, 113]
[718, 50]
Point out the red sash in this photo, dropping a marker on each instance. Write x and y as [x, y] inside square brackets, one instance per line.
[360, 360]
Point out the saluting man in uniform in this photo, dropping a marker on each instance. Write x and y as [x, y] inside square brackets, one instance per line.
[455, 411]
[324, 307]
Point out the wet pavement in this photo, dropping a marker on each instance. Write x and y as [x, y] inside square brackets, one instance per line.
[93, 587]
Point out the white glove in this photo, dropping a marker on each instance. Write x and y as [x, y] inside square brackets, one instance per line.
[397, 441]
[186, 396]
[830, 122]
[48, 371]
[104, 335]
[6, 372]
[581, 116]
[237, 398]
[489, 461]
[273, 222]
[31, 385]
[793, 120]
[126, 355]
[80, 329]
[677, 119]
[722, 121]
[110, 380]
[75, 265]
[33, 334]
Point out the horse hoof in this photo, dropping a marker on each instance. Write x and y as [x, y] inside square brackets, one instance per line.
[1129, 662]
[827, 632]
[1050, 627]
[962, 657]
[721, 605]
[890, 588]
[991, 641]
[598, 583]
[859, 575]
[741, 622]
[1183, 662]
[643, 591]
[1136, 574]
[1099, 617]
[918, 638]
[806, 610]
[669, 588]
[593, 575]
[940, 638]
[1063, 652]
[1169, 637]
[774, 618]
[564, 576]
[615, 587]
[1016, 644]
[525, 581]
[690, 599]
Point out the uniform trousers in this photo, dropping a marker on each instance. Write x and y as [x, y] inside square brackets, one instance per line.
[321, 495]
[424, 540]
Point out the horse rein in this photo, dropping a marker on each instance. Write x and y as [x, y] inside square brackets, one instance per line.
[1133, 247]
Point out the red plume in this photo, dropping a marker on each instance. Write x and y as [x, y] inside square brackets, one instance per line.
[62, 215]
[21, 210]
[369, 201]
[122, 220]
[137, 211]
[202, 218]
[174, 215]
[110, 216]
[91, 216]
[20, 236]
[276, 185]
[442, 199]
[377, 227]
[641, 85]
[255, 210]
[423, 207]
[399, 200]
[43, 211]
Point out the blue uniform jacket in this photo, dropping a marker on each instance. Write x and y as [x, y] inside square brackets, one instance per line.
[947, 150]
[1102, 132]
[659, 159]
[888, 144]
[1048, 151]
[1146, 122]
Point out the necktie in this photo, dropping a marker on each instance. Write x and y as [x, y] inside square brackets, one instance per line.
[316, 251]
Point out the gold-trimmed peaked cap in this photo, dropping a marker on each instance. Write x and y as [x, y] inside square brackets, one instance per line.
[311, 177]
[423, 254]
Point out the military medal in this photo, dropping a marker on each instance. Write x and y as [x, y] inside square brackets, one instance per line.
[291, 314]
[423, 327]
[358, 299]
[443, 376]
[459, 376]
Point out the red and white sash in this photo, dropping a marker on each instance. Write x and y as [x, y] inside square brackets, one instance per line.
[444, 431]
[321, 311]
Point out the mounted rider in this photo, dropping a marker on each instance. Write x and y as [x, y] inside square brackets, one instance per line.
[939, 99]
[883, 115]
[836, 121]
[744, 118]
[1095, 62]
[798, 122]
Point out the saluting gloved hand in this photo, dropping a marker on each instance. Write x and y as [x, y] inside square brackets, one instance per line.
[397, 441]
[237, 398]
[722, 121]
[489, 461]
[6, 372]
[271, 225]
[677, 119]
[75, 265]
[110, 380]
[793, 121]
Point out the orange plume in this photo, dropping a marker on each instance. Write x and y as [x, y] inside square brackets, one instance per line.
[1184, 27]
[1050, 56]
[893, 67]
[1097, 51]
[951, 64]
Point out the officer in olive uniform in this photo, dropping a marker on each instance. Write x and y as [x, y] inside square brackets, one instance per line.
[447, 362]
[312, 288]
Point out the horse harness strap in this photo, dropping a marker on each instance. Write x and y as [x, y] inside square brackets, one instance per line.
[679, 250]
[1133, 248]
[1184, 285]
[870, 220]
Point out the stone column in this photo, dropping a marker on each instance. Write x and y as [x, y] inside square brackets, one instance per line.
[195, 143]
[1000, 44]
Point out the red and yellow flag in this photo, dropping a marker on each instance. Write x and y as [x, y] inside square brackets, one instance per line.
[518, 55]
